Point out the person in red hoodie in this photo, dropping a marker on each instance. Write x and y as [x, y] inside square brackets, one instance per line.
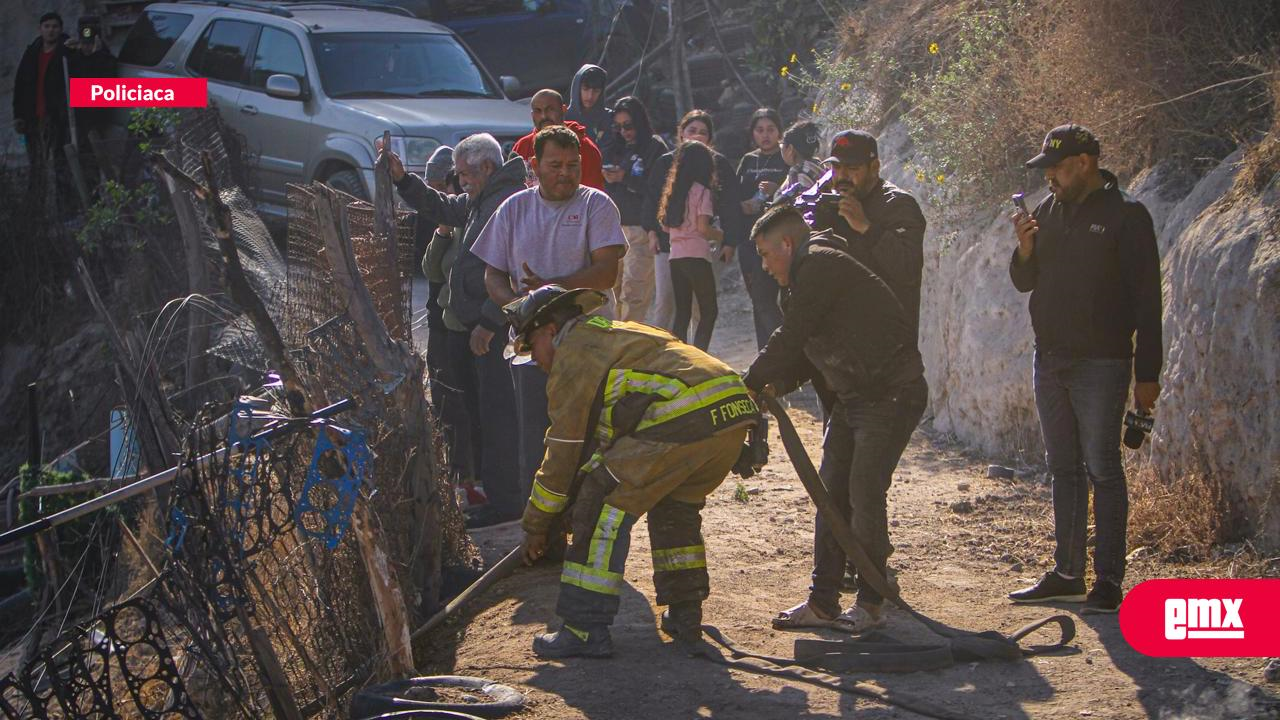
[547, 108]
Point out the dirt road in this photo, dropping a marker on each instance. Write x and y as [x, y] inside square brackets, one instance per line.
[962, 542]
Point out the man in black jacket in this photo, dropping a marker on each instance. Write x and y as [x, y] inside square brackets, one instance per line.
[881, 222]
[1089, 258]
[844, 329]
[486, 182]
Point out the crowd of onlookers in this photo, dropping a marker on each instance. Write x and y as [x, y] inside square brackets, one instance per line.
[603, 201]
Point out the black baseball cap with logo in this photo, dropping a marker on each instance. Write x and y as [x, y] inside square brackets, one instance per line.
[1063, 142]
[853, 147]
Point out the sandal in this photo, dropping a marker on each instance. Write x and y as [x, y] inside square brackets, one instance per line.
[803, 616]
[861, 618]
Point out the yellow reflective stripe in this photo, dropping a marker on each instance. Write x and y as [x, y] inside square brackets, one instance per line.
[600, 581]
[548, 501]
[602, 538]
[622, 382]
[697, 397]
[592, 463]
[681, 558]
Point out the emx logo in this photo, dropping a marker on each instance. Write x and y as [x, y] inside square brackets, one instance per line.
[1203, 618]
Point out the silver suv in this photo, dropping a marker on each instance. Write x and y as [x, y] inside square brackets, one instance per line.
[310, 86]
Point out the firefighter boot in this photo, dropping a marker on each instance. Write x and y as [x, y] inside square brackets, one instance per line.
[570, 641]
[683, 622]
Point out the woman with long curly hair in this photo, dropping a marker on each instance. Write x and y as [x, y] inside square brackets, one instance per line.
[687, 213]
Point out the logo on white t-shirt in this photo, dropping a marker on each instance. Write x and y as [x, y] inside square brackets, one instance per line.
[572, 220]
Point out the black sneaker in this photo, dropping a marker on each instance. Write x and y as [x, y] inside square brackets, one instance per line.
[569, 641]
[1051, 588]
[683, 622]
[1105, 598]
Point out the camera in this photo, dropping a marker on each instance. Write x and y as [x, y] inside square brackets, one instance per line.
[88, 28]
[1137, 425]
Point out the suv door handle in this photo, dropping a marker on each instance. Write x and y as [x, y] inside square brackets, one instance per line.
[248, 110]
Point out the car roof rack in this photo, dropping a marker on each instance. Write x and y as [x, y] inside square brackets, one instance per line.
[349, 5]
[283, 9]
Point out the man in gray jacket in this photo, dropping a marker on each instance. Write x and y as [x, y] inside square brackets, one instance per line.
[486, 182]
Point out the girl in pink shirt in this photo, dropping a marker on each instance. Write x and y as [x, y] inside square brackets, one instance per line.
[686, 214]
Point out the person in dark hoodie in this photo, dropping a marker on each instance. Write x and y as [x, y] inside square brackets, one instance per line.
[627, 172]
[40, 110]
[586, 103]
[475, 354]
[546, 107]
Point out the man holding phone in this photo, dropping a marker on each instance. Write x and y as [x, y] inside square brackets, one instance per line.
[1088, 256]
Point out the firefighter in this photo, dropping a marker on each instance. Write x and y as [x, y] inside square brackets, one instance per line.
[640, 423]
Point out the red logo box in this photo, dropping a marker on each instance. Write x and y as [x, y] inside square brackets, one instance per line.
[139, 92]
[1203, 618]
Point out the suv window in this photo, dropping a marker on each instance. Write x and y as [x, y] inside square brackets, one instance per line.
[221, 52]
[152, 36]
[278, 53]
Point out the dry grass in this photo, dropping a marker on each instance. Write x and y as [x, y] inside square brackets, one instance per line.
[1261, 161]
[980, 81]
[1185, 516]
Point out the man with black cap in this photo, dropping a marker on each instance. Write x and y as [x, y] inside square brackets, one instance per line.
[640, 423]
[1088, 256]
[881, 222]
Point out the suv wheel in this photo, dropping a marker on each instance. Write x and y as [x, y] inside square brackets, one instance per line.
[348, 181]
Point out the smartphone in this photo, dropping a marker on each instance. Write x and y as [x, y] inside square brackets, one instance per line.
[1020, 203]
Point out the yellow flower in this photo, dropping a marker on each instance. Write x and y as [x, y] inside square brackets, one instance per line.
[933, 48]
[815, 108]
[940, 177]
[846, 86]
[784, 71]
[793, 58]
[919, 176]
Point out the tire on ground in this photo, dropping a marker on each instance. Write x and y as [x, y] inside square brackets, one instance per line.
[390, 697]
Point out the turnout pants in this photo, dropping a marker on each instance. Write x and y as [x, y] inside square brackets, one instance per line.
[671, 483]
[861, 449]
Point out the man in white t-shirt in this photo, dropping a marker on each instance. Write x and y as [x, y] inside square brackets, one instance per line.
[559, 232]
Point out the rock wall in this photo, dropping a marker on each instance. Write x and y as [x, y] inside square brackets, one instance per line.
[1219, 413]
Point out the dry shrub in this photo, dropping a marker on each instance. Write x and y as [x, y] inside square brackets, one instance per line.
[1186, 514]
[1261, 161]
[979, 82]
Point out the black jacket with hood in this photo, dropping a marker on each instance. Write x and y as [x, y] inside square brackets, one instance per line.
[598, 120]
[468, 299]
[1094, 279]
[639, 163]
[893, 247]
[841, 322]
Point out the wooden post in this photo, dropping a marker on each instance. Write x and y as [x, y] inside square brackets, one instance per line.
[387, 599]
[197, 283]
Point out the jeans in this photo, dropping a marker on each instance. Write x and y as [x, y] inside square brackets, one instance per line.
[1081, 406]
[531, 412]
[499, 431]
[762, 289]
[693, 279]
[663, 311]
[864, 441]
[454, 393]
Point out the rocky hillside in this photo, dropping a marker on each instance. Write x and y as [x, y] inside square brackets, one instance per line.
[1217, 218]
